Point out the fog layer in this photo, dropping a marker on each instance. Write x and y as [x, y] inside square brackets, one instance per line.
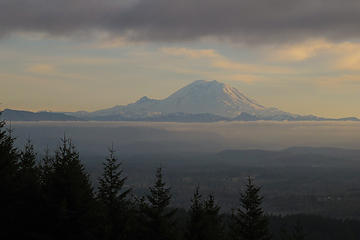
[140, 137]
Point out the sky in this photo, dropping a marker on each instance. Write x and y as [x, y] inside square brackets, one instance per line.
[68, 55]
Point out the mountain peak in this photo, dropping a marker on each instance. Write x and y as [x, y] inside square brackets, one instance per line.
[143, 99]
[198, 97]
[206, 83]
[213, 97]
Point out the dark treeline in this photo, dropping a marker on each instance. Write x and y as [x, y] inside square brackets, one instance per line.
[53, 198]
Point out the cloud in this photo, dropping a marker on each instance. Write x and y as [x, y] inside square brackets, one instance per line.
[337, 81]
[227, 64]
[41, 69]
[219, 61]
[114, 43]
[348, 57]
[49, 70]
[192, 53]
[249, 21]
[344, 56]
[300, 51]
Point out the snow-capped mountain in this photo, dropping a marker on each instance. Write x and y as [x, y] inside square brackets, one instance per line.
[211, 97]
[200, 101]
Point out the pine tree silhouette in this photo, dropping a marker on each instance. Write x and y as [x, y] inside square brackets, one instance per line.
[113, 198]
[296, 233]
[29, 192]
[159, 218]
[69, 195]
[9, 157]
[46, 167]
[205, 222]
[213, 219]
[196, 227]
[249, 222]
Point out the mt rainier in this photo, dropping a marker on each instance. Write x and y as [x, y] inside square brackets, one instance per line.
[199, 97]
[200, 101]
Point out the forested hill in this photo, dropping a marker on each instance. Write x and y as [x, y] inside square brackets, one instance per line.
[16, 115]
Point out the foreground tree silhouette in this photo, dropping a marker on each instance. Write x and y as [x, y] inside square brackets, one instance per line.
[29, 172]
[46, 167]
[29, 192]
[159, 219]
[249, 221]
[9, 157]
[213, 221]
[205, 222]
[195, 228]
[68, 195]
[296, 233]
[113, 198]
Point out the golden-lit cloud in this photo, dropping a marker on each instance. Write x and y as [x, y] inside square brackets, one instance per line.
[336, 81]
[298, 52]
[191, 53]
[117, 42]
[41, 69]
[55, 74]
[339, 56]
[349, 62]
[332, 56]
[227, 64]
[216, 60]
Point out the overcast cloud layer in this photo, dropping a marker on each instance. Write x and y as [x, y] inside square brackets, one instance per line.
[251, 21]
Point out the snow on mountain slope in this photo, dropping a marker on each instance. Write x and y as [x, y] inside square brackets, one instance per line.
[198, 97]
[209, 97]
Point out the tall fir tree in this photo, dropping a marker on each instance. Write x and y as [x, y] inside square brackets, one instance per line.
[27, 162]
[114, 198]
[249, 222]
[69, 196]
[195, 228]
[296, 233]
[46, 167]
[213, 221]
[29, 192]
[138, 221]
[9, 157]
[205, 221]
[159, 220]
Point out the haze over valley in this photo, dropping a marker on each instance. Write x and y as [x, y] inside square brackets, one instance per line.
[222, 154]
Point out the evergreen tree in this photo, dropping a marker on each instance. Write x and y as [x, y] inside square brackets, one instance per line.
[213, 221]
[27, 163]
[9, 156]
[69, 196]
[46, 167]
[249, 222]
[29, 172]
[29, 192]
[113, 198]
[297, 233]
[138, 220]
[195, 228]
[160, 221]
[205, 222]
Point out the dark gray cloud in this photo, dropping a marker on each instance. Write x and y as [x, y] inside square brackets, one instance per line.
[251, 21]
